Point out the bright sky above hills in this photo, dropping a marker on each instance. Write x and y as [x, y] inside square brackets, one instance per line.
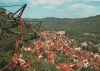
[56, 8]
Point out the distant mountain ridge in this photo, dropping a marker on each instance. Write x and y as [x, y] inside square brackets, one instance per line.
[89, 24]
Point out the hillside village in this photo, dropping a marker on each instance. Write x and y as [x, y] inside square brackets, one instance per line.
[63, 52]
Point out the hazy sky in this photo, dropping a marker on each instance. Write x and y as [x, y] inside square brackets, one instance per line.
[56, 8]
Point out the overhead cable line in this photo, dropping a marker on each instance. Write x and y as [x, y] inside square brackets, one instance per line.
[10, 6]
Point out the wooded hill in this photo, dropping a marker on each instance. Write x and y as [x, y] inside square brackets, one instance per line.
[89, 24]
